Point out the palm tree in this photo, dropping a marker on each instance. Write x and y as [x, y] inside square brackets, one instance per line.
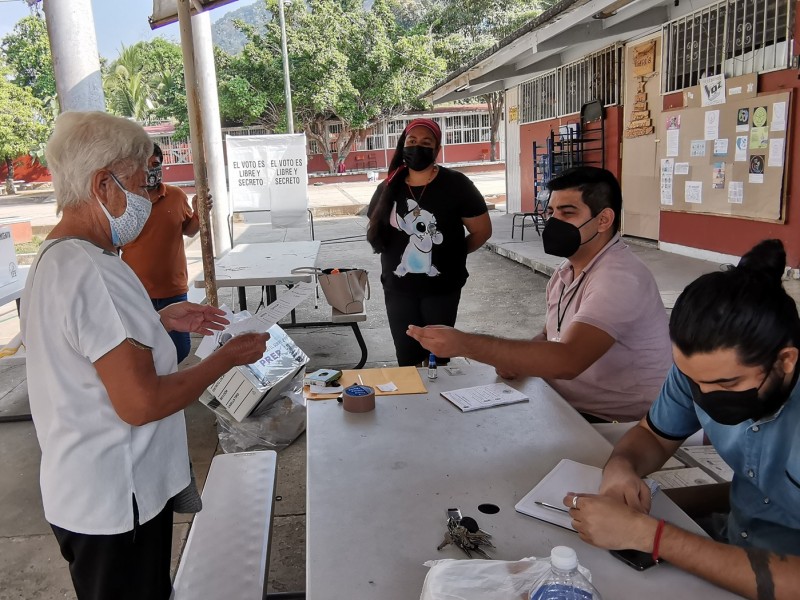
[128, 92]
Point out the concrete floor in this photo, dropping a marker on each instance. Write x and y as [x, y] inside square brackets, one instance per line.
[502, 297]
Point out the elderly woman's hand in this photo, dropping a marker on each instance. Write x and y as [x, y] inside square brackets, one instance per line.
[194, 318]
[245, 348]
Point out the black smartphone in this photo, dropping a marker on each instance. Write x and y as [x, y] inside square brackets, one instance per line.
[634, 558]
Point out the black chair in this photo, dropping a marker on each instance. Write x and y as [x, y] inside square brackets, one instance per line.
[538, 216]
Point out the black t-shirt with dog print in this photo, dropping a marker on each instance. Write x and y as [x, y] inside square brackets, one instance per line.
[426, 248]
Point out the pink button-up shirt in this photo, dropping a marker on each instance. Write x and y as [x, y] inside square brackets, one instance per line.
[617, 294]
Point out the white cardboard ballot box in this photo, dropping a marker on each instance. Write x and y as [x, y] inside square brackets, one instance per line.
[242, 389]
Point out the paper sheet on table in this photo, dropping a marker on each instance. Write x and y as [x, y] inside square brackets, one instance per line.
[484, 396]
[567, 476]
[708, 458]
[406, 379]
[680, 478]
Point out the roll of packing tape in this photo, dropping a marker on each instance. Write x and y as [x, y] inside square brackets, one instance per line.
[358, 399]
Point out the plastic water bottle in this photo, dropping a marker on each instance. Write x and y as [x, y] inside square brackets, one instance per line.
[565, 581]
[432, 374]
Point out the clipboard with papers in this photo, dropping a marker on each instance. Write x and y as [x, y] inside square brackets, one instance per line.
[546, 500]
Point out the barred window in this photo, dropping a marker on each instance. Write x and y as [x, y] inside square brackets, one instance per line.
[734, 37]
[597, 76]
[467, 129]
[563, 91]
[373, 140]
[540, 98]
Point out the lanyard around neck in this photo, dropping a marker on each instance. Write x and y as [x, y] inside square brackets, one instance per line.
[560, 315]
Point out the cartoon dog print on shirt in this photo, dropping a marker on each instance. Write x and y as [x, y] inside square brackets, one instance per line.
[420, 225]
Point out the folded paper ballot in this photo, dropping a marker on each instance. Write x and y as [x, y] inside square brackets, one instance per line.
[546, 500]
[484, 396]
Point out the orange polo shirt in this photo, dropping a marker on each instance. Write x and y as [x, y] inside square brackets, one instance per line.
[157, 256]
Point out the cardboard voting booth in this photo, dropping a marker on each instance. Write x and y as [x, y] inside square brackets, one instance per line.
[8, 257]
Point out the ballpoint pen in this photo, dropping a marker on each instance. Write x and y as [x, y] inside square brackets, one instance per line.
[551, 506]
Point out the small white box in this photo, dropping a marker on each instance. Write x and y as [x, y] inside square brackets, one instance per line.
[243, 389]
[8, 257]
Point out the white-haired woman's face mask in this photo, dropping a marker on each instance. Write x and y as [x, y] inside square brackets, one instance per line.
[127, 227]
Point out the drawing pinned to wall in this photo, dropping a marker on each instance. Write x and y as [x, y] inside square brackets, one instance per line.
[760, 116]
[681, 168]
[778, 117]
[742, 120]
[711, 124]
[775, 152]
[741, 148]
[759, 138]
[693, 192]
[718, 176]
[756, 168]
[721, 147]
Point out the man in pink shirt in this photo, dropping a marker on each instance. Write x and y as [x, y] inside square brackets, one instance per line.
[605, 347]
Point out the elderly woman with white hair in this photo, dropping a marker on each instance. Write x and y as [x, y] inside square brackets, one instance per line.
[106, 398]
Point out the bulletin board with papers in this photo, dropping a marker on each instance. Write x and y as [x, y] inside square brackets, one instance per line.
[726, 157]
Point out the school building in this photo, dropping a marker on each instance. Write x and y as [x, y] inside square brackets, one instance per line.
[690, 104]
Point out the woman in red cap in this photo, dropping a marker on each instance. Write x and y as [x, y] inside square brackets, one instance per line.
[417, 221]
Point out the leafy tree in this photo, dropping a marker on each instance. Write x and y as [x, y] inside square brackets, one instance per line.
[462, 30]
[22, 126]
[146, 83]
[346, 63]
[26, 51]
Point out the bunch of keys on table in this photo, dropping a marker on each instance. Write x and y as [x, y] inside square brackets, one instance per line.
[465, 533]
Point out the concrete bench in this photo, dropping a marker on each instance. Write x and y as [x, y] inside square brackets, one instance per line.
[227, 550]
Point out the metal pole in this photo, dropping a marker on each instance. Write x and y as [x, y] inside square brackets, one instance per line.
[287, 87]
[212, 131]
[76, 65]
[198, 149]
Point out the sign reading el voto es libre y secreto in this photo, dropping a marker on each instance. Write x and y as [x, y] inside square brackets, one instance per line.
[270, 173]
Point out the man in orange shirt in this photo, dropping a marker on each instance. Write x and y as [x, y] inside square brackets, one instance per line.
[157, 256]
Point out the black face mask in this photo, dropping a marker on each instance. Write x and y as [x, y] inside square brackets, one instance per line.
[418, 158]
[731, 408]
[560, 238]
[154, 176]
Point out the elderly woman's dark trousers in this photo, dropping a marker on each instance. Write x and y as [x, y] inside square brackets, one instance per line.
[127, 566]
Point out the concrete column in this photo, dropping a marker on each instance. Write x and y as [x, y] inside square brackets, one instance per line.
[212, 130]
[73, 43]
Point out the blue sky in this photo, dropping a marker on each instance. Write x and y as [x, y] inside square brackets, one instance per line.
[117, 22]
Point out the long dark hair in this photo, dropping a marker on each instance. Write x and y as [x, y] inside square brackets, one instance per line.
[379, 226]
[743, 307]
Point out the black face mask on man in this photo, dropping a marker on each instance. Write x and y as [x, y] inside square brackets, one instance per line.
[418, 158]
[561, 238]
[733, 407]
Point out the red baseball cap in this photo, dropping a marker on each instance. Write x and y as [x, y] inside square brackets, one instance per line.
[429, 124]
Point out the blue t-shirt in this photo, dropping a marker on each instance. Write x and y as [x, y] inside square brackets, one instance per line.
[764, 456]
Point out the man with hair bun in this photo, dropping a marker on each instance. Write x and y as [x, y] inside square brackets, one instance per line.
[736, 340]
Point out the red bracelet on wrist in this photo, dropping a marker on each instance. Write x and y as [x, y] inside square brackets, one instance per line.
[657, 539]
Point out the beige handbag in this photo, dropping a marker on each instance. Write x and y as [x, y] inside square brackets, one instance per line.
[344, 289]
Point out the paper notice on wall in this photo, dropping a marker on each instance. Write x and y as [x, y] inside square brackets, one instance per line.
[711, 125]
[757, 163]
[693, 192]
[681, 168]
[666, 181]
[775, 152]
[712, 90]
[698, 148]
[735, 192]
[759, 138]
[741, 148]
[778, 117]
[718, 176]
[721, 147]
[742, 120]
[673, 141]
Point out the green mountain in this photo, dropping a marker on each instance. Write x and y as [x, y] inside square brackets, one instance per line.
[224, 32]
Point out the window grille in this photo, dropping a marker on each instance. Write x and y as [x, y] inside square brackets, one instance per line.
[540, 98]
[734, 37]
[563, 91]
